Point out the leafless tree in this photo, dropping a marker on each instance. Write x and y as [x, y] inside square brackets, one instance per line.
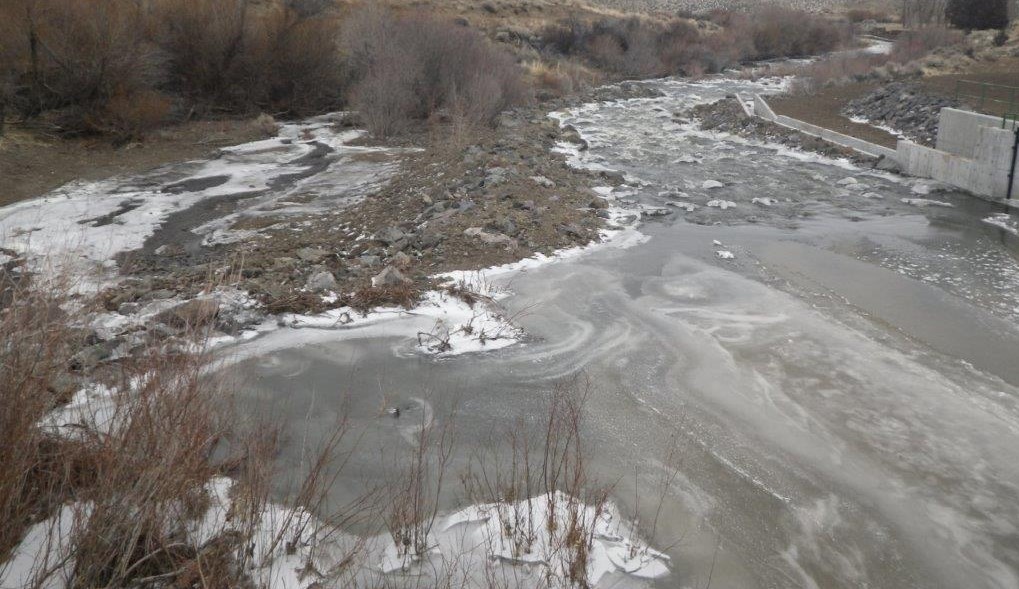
[917, 13]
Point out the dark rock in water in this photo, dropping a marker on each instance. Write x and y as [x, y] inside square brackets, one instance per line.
[196, 184]
[887, 164]
[616, 177]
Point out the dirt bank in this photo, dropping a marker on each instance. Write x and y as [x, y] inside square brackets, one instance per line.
[825, 108]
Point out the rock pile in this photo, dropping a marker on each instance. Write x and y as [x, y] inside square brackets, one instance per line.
[727, 115]
[905, 107]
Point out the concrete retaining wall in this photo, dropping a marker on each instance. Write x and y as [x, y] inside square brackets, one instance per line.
[762, 109]
[959, 130]
[973, 152]
[747, 109]
[985, 174]
[865, 147]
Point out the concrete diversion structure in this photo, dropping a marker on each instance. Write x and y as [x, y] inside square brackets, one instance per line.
[973, 151]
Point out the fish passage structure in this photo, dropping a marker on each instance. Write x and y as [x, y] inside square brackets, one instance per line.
[974, 152]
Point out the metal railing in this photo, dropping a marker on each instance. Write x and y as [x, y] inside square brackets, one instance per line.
[994, 97]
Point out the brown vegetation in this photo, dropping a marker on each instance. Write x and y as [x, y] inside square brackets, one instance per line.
[909, 47]
[122, 68]
[129, 477]
[643, 47]
[132, 480]
[409, 67]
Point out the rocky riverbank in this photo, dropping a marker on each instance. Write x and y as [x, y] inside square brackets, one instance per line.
[349, 224]
[728, 116]
[903, 107]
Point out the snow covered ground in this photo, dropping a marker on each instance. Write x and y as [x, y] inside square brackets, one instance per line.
[75, 232]
[292, 549]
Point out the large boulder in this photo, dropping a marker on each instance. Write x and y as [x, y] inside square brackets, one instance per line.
[321, 281]
[193, 313]
[390, 276]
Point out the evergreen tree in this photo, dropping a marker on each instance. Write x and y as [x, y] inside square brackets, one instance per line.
[978, 14]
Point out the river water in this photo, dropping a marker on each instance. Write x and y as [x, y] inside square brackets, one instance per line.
[842, 395]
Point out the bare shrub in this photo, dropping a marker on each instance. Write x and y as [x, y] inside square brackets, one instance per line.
[306, 71]
[782, 32]
[75, 56]
[922, 13]
[224, 54]
[202, 40]
[912, 45]
[35, 350]
[121, 483]
[839, 69]
[631, 46]
[560, 78]
[413, 67]
[414, 501]
[544, 470]
[859, 15]
[132, 115]
[909, 47]
[641, 47]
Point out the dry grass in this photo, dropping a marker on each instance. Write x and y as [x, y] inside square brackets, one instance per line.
[34, 356]
[555, 461]
[909, 47]
[371, 297]
[560, 77]
[131, 475]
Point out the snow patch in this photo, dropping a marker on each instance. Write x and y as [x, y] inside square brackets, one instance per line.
[290, 548]
[76, 230]
[926, 202]
[518, 535]
[1004, 221]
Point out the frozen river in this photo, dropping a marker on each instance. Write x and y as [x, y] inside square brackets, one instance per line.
[842, 394]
